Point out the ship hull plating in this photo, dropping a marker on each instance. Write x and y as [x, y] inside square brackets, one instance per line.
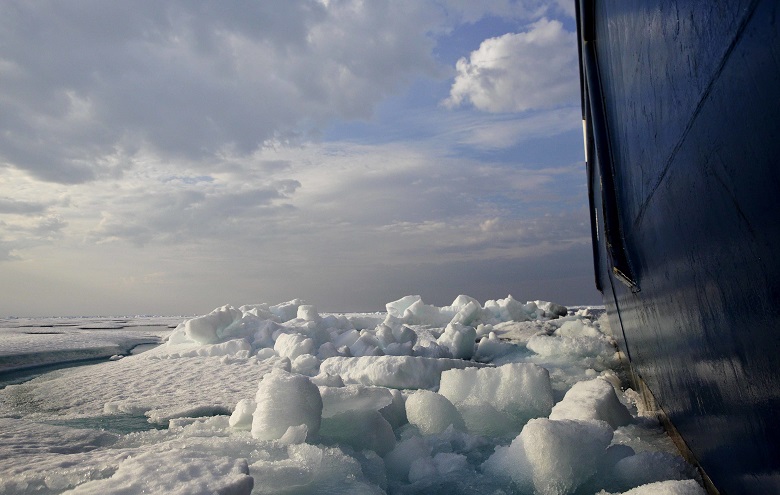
[681, 104]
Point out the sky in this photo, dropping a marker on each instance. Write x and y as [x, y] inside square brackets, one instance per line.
[171, 157]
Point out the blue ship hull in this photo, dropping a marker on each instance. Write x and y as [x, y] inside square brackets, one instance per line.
[681, 112]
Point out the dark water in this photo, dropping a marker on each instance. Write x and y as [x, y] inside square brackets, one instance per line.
[25, 375]
[115, 423]
[16, 377]
[134, 339]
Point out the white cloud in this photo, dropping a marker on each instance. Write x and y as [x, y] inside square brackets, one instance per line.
[86, 86]
[89, 88]
[173, 139]
[490, 134]
[402, 201]
[21, 233]
[532, 70]
[287, 222]
[16, 207]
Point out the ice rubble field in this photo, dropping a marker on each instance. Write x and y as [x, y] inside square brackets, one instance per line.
[500, 398]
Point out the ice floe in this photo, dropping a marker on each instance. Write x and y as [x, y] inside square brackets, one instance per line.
[502, 397]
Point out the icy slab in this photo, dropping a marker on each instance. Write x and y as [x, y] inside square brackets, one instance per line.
[520, 332]
[498, 401]
[360, 430]
[432, 413]
[351, 416]
[574, 338]
[438, 466]
[686, 487]
[466, 310]
[510, 309]
[395, 412]
[402, 372]
[419, 313]
[459, 339]
[337, 400]
[311, 469]
[551, 309]
[399, 461]
[284, 400]
[308, 312]
[262, 311]
[552, 457]
[210, 328]
[592, 400]
[399, 307]
[286, 311]
[243, 414]
[293, 345]
[491, 347]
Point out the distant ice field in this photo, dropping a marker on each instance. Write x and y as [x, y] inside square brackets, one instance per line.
[505, 397]
[27, 343]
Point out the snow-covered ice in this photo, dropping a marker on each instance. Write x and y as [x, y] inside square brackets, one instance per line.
[27, 343]
[503, 397]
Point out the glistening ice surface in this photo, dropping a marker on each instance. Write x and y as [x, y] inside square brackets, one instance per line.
[501, 398]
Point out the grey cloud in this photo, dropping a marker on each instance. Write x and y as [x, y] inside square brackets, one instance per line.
[87, 83]
[15, 237]
[405, 203]
[545, 233]
[191, 215]
[274, 165]
[16, 207]
[189, 179]
[49, 228]
[434, 188]
[7, 251]
[243, 204]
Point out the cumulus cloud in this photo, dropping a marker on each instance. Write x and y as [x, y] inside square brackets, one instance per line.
[180, 138]
[516, 72]
[86, 85]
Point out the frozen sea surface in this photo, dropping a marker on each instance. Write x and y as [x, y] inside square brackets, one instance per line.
[503, 397]
[34, 342]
